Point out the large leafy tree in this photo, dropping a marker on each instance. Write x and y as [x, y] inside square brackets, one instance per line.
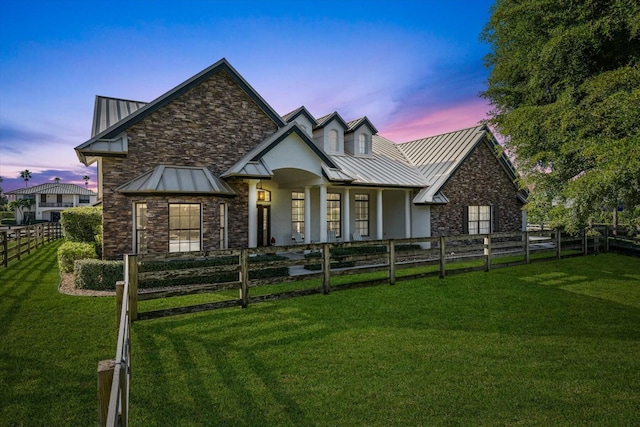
[565, 89]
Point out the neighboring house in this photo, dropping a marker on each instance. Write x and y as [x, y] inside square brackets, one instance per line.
[50, 199]
[211, 165]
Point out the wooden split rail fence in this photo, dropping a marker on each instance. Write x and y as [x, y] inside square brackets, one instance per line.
[19, 240]
[244, 270]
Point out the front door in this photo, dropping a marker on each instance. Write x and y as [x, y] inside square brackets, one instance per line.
[264, 225]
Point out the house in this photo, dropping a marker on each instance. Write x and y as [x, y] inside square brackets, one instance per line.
[211, 165]
[50, 199]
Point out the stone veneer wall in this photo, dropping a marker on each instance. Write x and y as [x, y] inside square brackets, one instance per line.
[482, 181]
[213, 125]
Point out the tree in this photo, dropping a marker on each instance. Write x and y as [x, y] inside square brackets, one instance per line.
[86, 180]
[56, 180]
[564, 85]
[26, 175]
[21, 205]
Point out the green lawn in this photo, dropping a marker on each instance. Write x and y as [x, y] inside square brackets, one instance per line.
[553, 343]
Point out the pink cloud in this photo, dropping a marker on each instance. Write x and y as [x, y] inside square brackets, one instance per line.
[422, 125]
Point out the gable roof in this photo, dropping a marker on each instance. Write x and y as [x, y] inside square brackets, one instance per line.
[109, 111]
[353, 125]
[177, 180]
[252, 165]
[88, 148]
[439, 157]
[324, 120]
[290, 116]
[53, 188]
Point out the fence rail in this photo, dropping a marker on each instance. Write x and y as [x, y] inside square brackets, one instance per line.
[19, 240]
[247, 270]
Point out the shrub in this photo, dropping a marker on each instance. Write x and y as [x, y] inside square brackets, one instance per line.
[69, 252]
[8, 222]
[97, 275]
[81, 224]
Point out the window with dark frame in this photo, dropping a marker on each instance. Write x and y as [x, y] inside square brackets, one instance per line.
[334, 213]
[297, 213]
[140, 244]
[184, 227]
[83, 199]
[479, 219]
[362, 214]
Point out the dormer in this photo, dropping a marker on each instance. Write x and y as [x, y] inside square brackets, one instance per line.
[357, 139]
[303, 118]
[329, 133]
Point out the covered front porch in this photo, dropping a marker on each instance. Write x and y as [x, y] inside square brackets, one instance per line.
[296, 206]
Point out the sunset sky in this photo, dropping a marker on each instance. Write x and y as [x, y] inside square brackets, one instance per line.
[415, 68]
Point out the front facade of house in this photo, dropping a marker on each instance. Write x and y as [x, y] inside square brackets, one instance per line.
[211, 165]
[50, 199]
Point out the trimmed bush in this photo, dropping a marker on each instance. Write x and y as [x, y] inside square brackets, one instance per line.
[81, 224]
[8, 222]
[69, 252]
[97, 275]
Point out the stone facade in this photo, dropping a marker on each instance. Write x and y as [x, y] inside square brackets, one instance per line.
[482, 181]
[213, 124]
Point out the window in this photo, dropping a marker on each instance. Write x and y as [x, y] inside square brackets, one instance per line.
[297, 213]
[140, 244]
[184, 227]
[362, 214]
[59, 198]
[83, 199]
[334, 143]
[333, 213]
[223, 226]
[479, 219]
[43, 198]
[363, 144]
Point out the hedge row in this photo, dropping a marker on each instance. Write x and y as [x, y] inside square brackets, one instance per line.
[81, 224]
[103, 275]
[70, 252]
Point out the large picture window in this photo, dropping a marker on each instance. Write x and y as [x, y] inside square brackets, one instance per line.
[362, 214]
[140, 243]
[297, 213]
[479, 219]
[334, 213]
[184, 227]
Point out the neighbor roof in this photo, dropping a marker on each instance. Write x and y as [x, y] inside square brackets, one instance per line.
[53, 188]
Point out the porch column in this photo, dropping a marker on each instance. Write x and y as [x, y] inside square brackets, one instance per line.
[407, 213]
[253, 213]
[346, 232]
[379, 233]
[323, 213]
[307, 214]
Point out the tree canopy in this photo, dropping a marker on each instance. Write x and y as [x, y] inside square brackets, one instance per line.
[564, 85]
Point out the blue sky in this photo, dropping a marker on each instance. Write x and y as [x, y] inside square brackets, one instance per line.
[415, 68]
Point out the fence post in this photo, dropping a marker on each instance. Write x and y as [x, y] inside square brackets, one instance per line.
[487, 253]
[585, 243]
[5, 249]
[606, 238]
[18, 249]
[244, 278]
[558, 243]
[527, 260]
[326, 268]
[119, 297]
[132, 268]
[392, 262]
[28, 234]
[105, 379]
[442, 259]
